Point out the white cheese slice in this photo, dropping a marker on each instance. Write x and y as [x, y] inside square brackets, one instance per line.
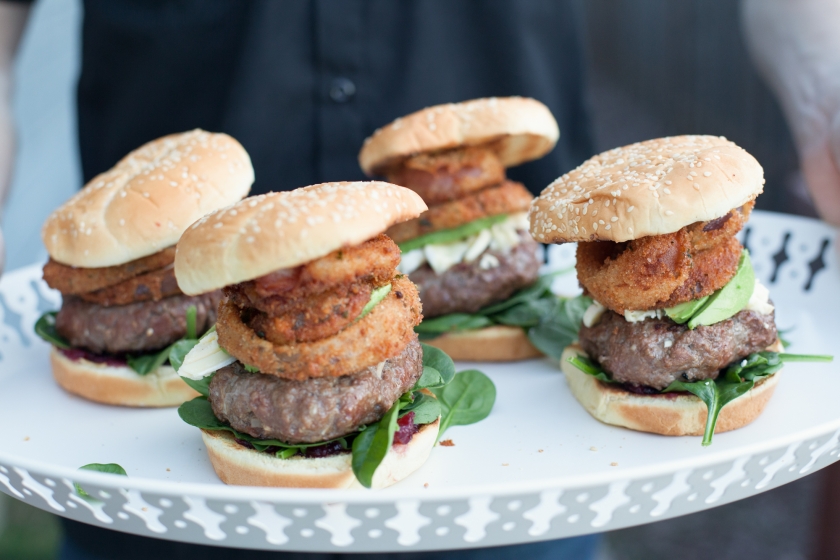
[205, 358]
[444, 256]
[411, 261]
[593, 314]
[478, 245]
[637, 316]
[760, 300]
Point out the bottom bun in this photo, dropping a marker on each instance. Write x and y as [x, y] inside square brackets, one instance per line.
[499, 343]
[668, 414]
[119, 385]
[238, 465]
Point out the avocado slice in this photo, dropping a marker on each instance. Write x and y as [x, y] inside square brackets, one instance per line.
[682, 312]
[730, 299]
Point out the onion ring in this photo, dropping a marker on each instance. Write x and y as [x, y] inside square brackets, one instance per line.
[154, 285]
[70, 280]
[381, 334]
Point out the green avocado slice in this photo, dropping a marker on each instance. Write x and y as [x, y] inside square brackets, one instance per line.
[730, 299]
[682, 312]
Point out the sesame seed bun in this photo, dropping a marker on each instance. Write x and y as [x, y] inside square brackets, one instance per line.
[145, 202]
[650, 188]
[517, 129]
[238, 465]
[499, 343]
[279, 230]
[668, 414]
[119, 385]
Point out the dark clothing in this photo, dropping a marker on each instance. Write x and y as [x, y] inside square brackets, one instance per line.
[301, 84]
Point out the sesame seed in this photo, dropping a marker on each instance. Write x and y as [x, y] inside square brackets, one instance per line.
[613, 219]
[631, 208]
[608, 226]
[669, 213]
[707, 174]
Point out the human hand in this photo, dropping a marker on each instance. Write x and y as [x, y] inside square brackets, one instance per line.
[796, 45]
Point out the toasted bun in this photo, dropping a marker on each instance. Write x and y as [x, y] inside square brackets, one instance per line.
[499, 343]
[517, 129]
[119, 385]
[649, 188]
[235, 464]
[146, 201]
[674, 414]
[278, 230]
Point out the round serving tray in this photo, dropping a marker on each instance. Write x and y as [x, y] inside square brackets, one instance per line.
[538, 468]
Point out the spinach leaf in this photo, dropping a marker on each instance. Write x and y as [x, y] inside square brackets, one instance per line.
[537, 290]
[201, 385]
[526, 314]
[372, 444]
[559, 326]
[453, 322]
[191, 315]
[454, 234]
[426, 408]
[589, 367]
[45, 328]
[440, 361]
[179, 351]
[251, 369]
[468, 399]
[111, 468]
[147, 363]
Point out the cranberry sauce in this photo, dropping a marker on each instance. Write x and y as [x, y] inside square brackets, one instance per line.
[79, 354]
[406, 428]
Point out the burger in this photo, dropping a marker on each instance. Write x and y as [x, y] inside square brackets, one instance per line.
[312, 375]
[471, 251]
[678, 326]
[112, 248]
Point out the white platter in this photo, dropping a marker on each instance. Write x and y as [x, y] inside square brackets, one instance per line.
[538, 468]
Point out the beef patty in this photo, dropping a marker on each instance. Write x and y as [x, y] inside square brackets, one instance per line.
[466, 288]
[136, 327]
[655, 352]
[313, 410]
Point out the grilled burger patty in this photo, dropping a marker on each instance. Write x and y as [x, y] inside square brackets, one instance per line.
[137, 327]
[655, 352]
[316, 409]
[466, 288]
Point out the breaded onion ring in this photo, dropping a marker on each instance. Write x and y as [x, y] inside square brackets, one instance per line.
[314, 317]
[507, 198]
[154, 285]
[711, 270]
[444, 176]
[373, 261]
[634, 275]
[705, 235]
[70, 280]
[381, 334]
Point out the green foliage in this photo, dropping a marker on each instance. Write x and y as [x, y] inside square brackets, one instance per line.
[45, 328]
[111, 468]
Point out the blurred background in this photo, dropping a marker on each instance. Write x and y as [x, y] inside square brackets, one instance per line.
[656, 68]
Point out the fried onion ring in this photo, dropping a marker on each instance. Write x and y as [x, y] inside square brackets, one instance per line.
[636, 274]
[507, 198]
[663, 270]
[314, 317]
[381, 334]
[373, 261]
[154, 285]
[70, 280]
[445, 176]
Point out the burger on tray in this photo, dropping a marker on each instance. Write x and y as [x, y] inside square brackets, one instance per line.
[678, 326]
[314, 376]
[112, 248]
[470, 252]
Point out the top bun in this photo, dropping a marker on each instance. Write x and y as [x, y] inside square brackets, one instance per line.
[279, 230]
[649, 188]
[517, 129]
[145, 202]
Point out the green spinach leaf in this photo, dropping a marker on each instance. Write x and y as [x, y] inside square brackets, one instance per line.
[147, 363]
[372, 444]
[111, 468]
[589, 367]
[468, 399]
[45, 328]
[439, 361]
[426, 409]
[454, 322]
[179, 351]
